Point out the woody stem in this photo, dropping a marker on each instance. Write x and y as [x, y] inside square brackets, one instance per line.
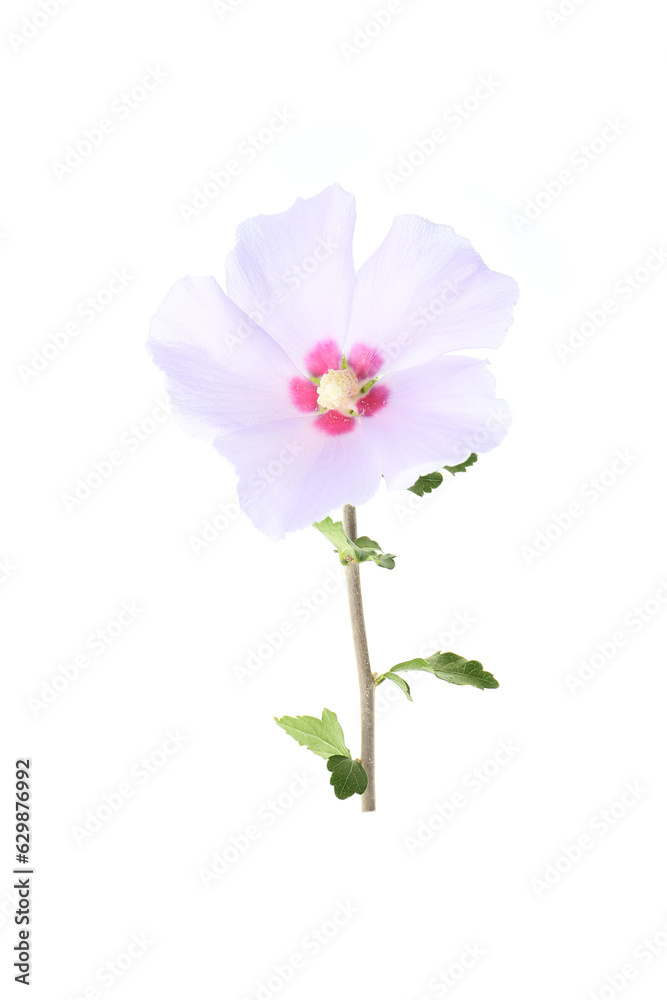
[366, 678]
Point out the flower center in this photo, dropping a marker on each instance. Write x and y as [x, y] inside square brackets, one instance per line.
[338, 390]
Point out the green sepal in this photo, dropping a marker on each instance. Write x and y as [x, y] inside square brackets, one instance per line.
[430, 482]
[347, 776]
[360, 551]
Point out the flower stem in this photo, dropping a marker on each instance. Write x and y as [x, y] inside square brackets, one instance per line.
[366, 677]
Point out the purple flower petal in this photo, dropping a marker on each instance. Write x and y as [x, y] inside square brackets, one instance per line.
[235, 369]
[433, 415]
[223, 372]
[291, 474]
[293, 274]
[425, 292]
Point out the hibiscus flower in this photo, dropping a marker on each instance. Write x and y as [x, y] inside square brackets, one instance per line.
[316, 381]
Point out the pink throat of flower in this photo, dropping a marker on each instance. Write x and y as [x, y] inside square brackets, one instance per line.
[340, 391]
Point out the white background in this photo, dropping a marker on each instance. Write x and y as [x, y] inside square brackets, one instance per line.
[468, 553]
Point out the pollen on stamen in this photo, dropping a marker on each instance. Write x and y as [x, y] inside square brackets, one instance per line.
[338, 390]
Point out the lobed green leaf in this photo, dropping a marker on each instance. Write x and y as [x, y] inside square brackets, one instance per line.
[426, 484]
[448, 667]
[362, 550]
[430, 482]
[323, 737]
[347, 776]
[463, 466]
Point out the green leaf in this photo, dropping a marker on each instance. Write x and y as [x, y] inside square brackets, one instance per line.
[452, 668]
[426, 484]
[360, 551]
[365, 548]
[323, 736]
[397, 679]
[430, 482]
[334, 532]
[347, 776]
[463, 465]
